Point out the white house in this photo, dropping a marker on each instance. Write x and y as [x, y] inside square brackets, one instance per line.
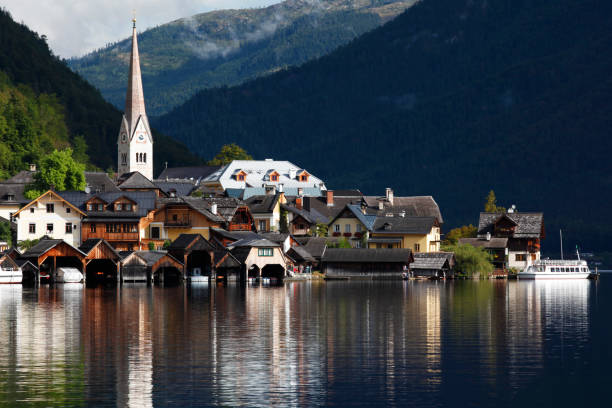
[246, 178]
[49, 215]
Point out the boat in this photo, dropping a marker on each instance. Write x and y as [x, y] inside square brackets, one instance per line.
[556, 269]
[68, 275]
[10, 275]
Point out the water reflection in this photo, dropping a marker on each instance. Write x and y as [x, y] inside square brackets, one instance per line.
[334, 343]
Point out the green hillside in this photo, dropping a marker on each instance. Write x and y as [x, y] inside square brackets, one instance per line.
[56, 107]
[228, 47]
[452, 98]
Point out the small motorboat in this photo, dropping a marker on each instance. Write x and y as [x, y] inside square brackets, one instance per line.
[68, 275]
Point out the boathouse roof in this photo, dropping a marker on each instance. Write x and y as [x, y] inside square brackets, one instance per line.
[188, 241]
[368, 255]
[433, 260]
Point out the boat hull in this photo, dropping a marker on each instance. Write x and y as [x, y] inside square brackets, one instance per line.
[554, 275]
[10, 278]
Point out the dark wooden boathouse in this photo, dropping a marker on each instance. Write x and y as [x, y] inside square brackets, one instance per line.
[366, 263]
[435, 265]
[101, 260]
[49, 254]
[146, 266]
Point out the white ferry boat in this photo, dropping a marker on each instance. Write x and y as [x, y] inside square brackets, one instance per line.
[556, 269]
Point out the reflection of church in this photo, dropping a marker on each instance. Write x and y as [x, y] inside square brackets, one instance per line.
[135, 142]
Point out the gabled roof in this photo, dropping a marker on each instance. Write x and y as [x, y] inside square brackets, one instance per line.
[528, 225]
[44, 245]
[99, 182]
[432, 260]
[191, 242]
[180, 188]
[277, 237]
[135, 180]
[300, 254]
[263, 204]
[366, 219]
[12, 193]
[403, 225]
[315, 245]
[416, 206]
[23, 177]
[88, 245]
[255, 242]
[54, 195]
[145, 202]
[311, 217]
[367, 255]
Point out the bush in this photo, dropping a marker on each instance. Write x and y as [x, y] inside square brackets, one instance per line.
[470, 260]
[151, 246]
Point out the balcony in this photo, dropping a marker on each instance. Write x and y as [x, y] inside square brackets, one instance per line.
[110, 236]
[347, 234]
[240, 227]
[179, 222]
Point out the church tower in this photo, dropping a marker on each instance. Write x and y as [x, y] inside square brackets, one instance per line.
[135, 143]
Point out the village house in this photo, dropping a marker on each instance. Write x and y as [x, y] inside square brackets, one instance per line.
[11, 192]
[261, 258]
[354, 223]
[246, 178]
[266, 211]
[49, 215]
[421, 234]
[523, 230]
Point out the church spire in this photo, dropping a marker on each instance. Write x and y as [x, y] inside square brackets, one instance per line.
[134, 101]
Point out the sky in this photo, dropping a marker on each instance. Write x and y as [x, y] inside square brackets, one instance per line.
[76, 27]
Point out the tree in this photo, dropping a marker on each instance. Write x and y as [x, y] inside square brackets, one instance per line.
[59, 171]
[5, 232]
[465, 231]
[228, 153]
[321, 229]
[284, 223]
[491, 204]
[27, 244]
[470, 260]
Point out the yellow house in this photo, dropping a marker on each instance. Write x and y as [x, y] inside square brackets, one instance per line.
[421, 234]
[266, 211]
[352, 223]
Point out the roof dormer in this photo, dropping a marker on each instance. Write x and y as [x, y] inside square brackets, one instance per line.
[95, 203]
[303, 175]
[272, 175]
[124, 204]
[239, 175]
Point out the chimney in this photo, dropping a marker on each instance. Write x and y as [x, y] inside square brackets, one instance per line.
[363, 208]
[298, 203]
[300, 191]
[330, 198]
[292, 173]
[381, 205]
[389, 195]
[32, 167]
[488, 236]
[280, 188]
[213, 208]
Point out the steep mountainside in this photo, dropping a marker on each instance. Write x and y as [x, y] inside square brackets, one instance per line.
[25, 60]
[228, 47]
[452, 98]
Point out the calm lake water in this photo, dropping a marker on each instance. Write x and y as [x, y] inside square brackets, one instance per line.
[489, 343]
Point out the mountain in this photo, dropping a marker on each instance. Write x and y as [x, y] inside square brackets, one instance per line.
[452, 98]
[58, 107]
[228, 47]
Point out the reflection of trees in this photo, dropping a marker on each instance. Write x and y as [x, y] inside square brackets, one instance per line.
[41, 361]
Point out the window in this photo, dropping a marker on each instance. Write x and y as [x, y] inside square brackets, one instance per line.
[520, 257]
[274, 177]
[92, 228]
[303, 177]
[302, 226]
[31, 210]
[100, 207]
[137, 157]
[118, 207]
[50, 208]
[358, 228]
[347, 228]
[155, 232]
[89, 207]
[32, 228]
[128, 207]
[417, 247]
[336, 227]
[241, 177]
[49, 228]
[68, 228]
[264, 252]
[67, 210]
[262, 225]
[124, 158]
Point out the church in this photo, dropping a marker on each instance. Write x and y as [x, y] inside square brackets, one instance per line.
[135, 141]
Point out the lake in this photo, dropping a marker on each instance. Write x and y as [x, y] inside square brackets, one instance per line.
[337, 343]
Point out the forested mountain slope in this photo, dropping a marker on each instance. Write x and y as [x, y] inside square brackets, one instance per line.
[227, 47]
[452, 98]
[45, 91]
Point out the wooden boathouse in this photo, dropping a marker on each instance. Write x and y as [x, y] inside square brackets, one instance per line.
[101, 260]
[49, 254]
[366, 263]
[147, 266]
[434, 265]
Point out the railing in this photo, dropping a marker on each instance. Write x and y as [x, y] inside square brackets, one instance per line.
[240, 227]
[184, 222]
[111, 236]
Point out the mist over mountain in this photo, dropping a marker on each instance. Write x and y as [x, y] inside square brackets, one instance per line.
[227, 47]
[452, 98]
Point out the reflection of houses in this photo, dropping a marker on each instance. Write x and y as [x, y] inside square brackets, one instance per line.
[432, 264]
[366, 262]
[50, 215]
[261, 257]
[496, 247]
[523, 231]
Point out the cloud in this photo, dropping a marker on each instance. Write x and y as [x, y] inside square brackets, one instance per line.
[75, 27]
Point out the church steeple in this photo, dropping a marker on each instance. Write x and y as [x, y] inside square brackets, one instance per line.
[135, 143]
[134, 100]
